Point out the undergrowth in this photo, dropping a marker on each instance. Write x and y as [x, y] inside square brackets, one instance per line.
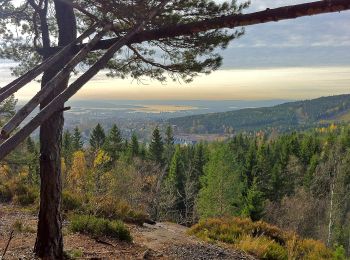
[260, 239]
[100, 227]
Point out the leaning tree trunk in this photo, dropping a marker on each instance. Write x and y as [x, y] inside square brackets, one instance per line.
[49, 242]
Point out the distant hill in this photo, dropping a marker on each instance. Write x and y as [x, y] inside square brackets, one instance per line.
[284, 117]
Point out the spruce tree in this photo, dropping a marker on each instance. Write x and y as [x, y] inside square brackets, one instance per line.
[198, 165]
[173, 186]
[254, 203]
[169, 136]
[114, 143]
[169, 144]
[221, 192]
[97, 138]
[67, 147]
[156, 147]
[134, 145]
[77, 141]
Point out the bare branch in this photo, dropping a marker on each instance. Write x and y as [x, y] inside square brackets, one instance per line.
[155, 64]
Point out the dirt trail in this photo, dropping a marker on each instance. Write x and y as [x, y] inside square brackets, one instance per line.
[161, 241]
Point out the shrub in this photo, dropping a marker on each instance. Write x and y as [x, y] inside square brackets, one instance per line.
[74, 254]
[28, 197]
[261, 239]
[339, 253]
[100, 227]
[5, 193]
[70, 201]
[262, 247]
[112, 208]
[21, 193]
[313, 250]
[17, 226]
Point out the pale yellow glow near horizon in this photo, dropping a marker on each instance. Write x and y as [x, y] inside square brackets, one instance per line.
[251, 84]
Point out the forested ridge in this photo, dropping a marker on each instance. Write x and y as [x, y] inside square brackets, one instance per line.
[285, 117]
[298, 181]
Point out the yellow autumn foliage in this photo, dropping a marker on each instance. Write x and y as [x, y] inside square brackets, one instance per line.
[101, 158]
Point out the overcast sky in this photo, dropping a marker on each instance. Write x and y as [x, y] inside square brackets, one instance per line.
[295, 59]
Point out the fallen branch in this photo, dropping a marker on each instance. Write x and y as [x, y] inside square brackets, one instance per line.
[8, 244]
[100, 241]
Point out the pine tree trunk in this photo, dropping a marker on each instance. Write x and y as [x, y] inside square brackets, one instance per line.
[49, 242]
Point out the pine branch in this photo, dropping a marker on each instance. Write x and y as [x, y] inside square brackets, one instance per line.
[229, 21]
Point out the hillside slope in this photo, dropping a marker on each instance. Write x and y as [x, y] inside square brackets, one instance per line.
[284, 117]
[159, 242]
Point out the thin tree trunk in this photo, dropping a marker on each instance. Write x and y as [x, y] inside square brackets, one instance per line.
[49, 242]
[330, 223]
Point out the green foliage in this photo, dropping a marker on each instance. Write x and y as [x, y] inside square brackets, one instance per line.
[97, 137]
[71, 201]
[26, 197]
[339, 253]
[134, 145]
[7, 109]
[74, 254]
[77, 142]
[114, 143]
[157, 147]
[21, 193]
[100, 227]
[221, 193]
[254, 203]
[67, 147]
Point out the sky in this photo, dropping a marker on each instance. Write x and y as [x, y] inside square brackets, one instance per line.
[296, 59]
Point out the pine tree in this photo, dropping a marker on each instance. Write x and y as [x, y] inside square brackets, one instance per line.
[7, 108]
[97, 138]
[156, 147]
[114, 143]
[58, 26]
[77, 141]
